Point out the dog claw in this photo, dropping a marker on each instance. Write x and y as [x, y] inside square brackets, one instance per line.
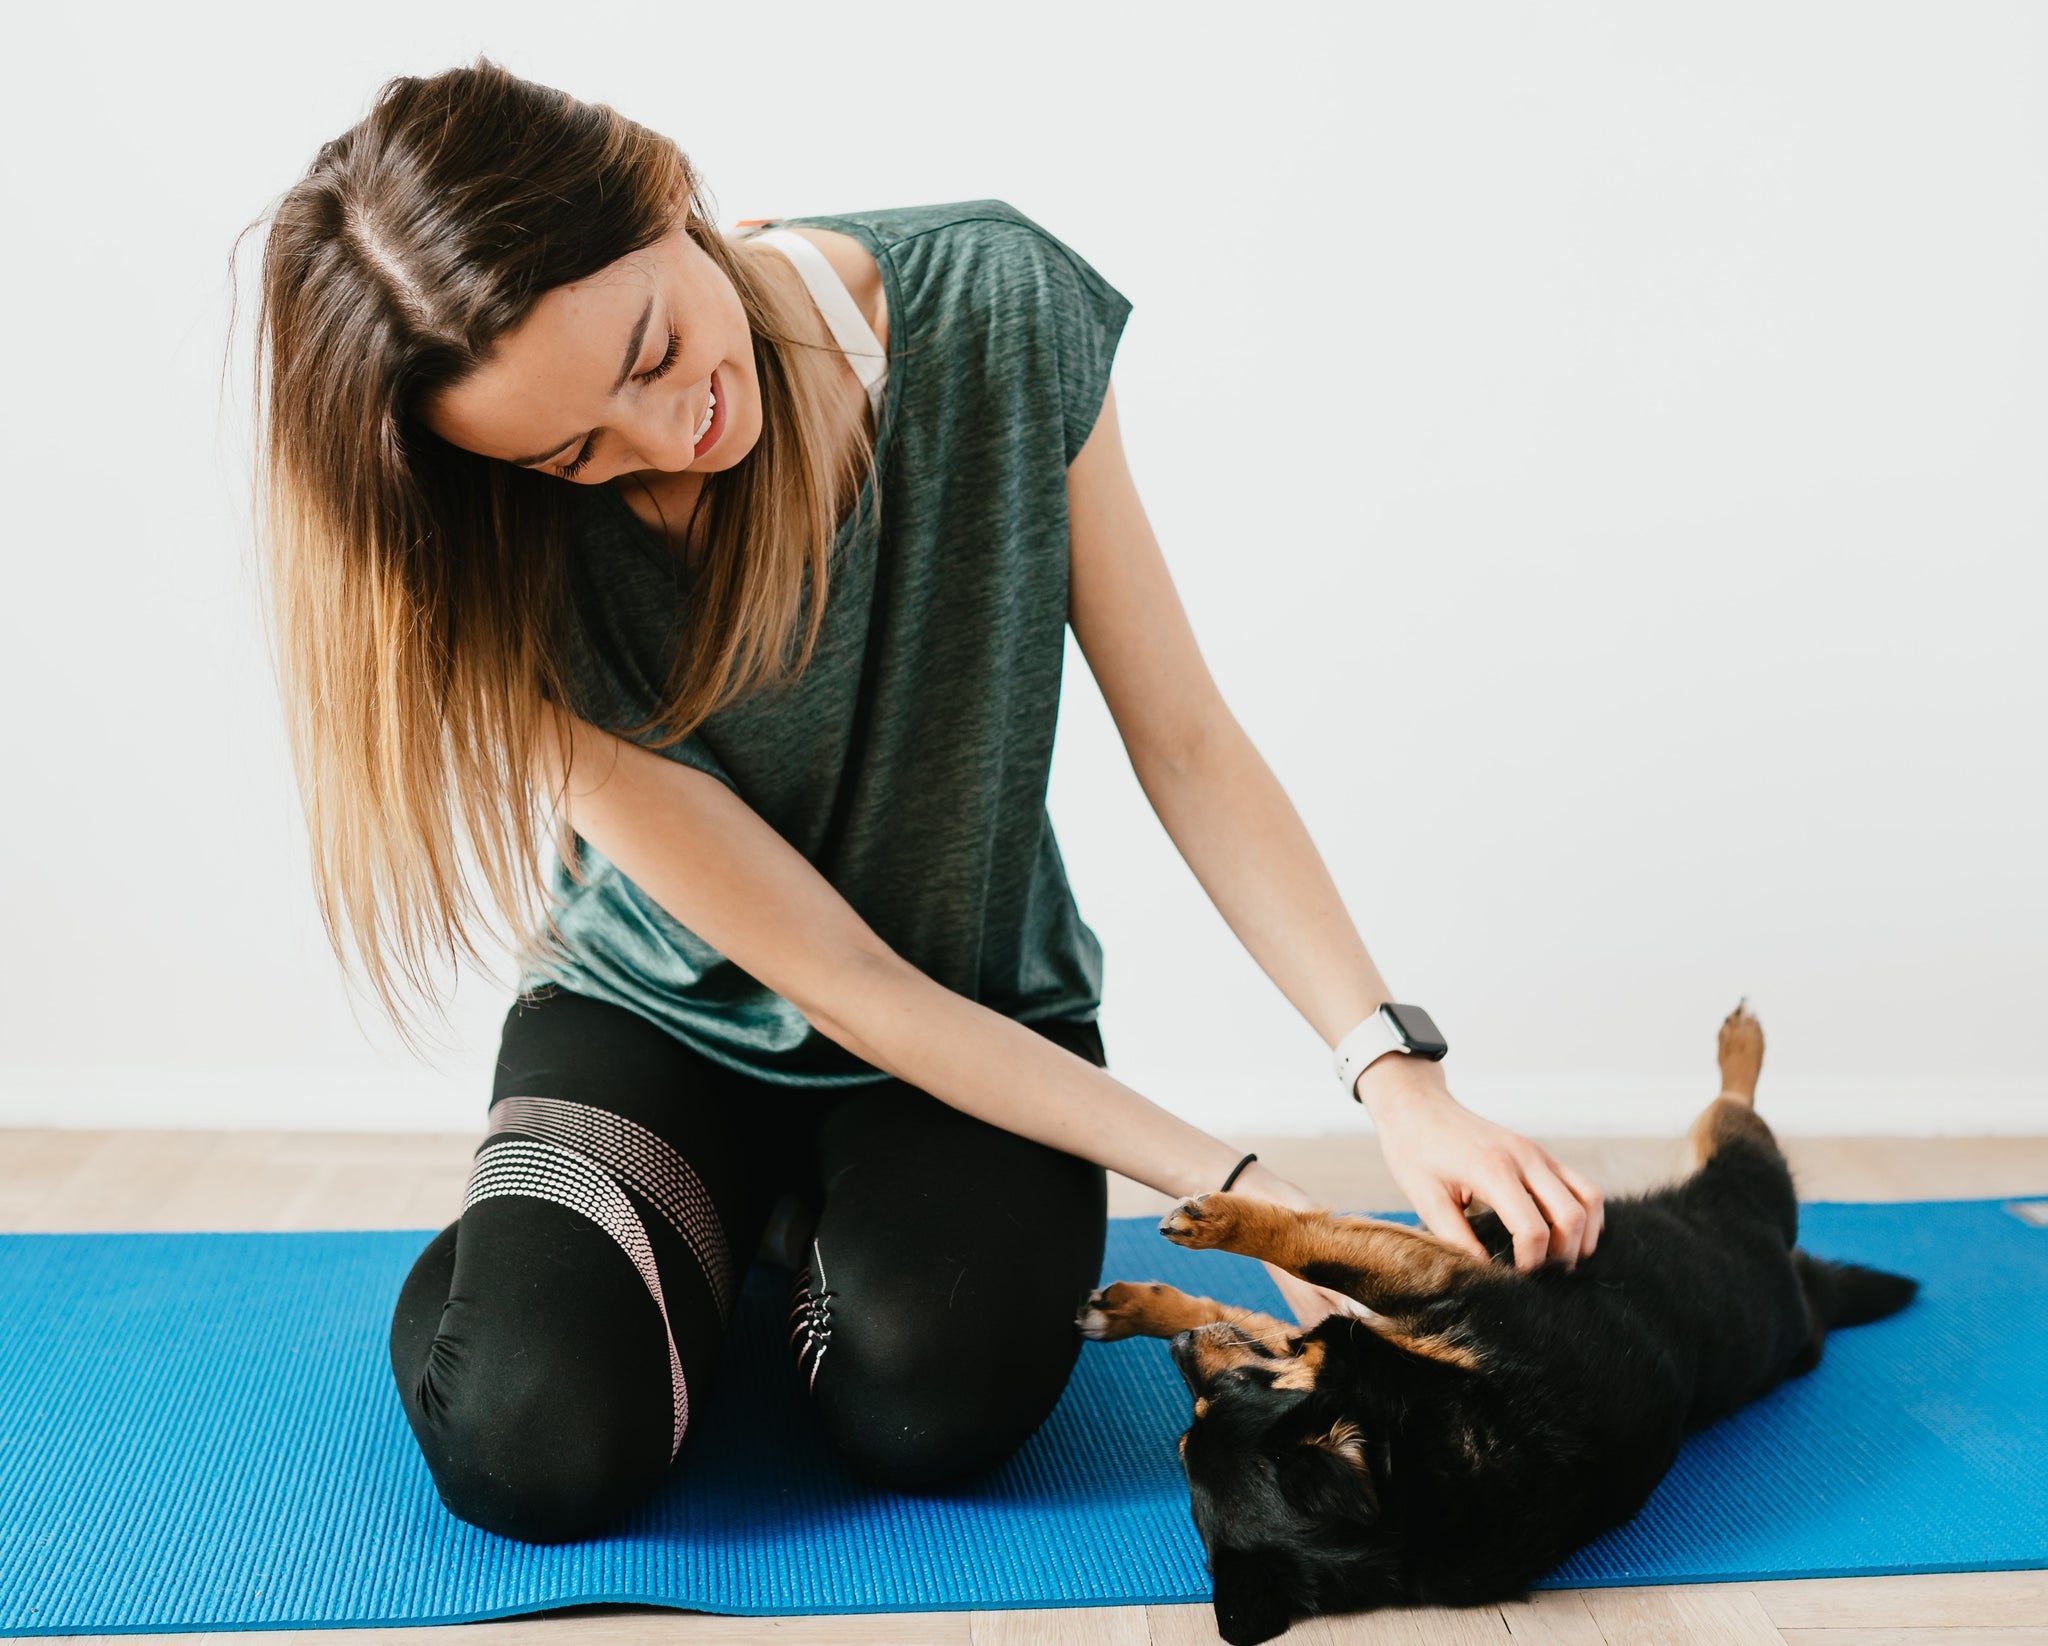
[1201, 1221]
[1113, 1311]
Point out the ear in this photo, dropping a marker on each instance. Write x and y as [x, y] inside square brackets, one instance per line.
[1315, 1488]
[1249, 1604]
[1347, 1440]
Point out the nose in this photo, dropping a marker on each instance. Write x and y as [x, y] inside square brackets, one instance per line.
[664, 433]
[1185, 1344]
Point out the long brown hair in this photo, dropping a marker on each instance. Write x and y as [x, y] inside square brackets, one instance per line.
[418, 594]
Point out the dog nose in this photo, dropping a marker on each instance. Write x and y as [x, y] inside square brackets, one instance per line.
[1182, 1348]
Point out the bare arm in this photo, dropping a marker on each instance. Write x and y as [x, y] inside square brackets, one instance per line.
[1247, 845]
[710, 860]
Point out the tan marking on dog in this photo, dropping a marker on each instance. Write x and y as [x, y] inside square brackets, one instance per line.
[1302, 1371]
[1181, 1445]
[1347, 1440]
[1430, 1345]
[1214, 1355]
[1201, 1405]
[1720, 1123]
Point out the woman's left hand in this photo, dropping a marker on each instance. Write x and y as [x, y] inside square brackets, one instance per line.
[1444, 1156]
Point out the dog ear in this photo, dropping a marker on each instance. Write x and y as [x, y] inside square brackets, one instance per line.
[1250, 1606]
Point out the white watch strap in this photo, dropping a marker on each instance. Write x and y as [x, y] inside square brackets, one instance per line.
[1372, 1039]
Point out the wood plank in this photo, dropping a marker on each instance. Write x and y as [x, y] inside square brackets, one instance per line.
[1064, 1626]
[1409, 1626]
[1929, 1600]
[435, 1200]
[1551, 1617]
[1692, 1614]
[1182, 1625]
[398, 1151]
[1460, 1626]
[1196, 1626]
[125, 1179]
[38, 1157]
[1392, 1627]
[21, 1210]
[237, 1184]
[1915, 1637]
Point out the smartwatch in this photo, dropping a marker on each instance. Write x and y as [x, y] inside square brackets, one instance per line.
[1392, 1028]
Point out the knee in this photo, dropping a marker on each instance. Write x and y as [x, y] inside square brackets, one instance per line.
[545, 1441]
[925, 1407]
[538, 1461]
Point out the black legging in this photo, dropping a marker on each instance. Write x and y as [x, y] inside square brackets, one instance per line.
[554, 1345]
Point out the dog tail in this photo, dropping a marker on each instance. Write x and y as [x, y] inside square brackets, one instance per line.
[1847, 1294]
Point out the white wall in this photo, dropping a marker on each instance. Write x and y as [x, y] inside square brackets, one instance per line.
[1601, 448]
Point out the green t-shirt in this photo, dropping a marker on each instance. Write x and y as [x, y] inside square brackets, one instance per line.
[909, 762]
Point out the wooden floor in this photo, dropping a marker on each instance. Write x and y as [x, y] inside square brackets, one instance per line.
[59, 1180]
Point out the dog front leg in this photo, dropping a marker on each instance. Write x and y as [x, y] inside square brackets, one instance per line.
[1151, 1308]
[1386, 1266]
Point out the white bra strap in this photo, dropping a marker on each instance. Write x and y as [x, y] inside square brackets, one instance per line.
[855, 337]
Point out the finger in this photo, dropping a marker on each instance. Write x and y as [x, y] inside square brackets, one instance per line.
[1440, 1216]
[1502, 1186]
[1567, 1217]
[1591, 1198]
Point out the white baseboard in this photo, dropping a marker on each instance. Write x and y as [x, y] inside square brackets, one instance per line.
[455, 1100]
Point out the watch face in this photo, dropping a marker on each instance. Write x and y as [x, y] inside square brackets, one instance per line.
[1425, 1039]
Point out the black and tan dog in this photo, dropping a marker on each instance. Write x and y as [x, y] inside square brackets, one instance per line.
[1481, 1423]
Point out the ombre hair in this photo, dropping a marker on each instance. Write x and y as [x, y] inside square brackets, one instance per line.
[419, 595]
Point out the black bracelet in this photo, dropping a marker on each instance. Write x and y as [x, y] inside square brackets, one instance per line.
[1240, 1166]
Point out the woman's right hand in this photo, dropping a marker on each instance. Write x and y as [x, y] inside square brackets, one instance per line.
[1444, 1157]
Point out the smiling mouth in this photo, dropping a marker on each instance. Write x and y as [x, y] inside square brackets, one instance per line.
[714, 422]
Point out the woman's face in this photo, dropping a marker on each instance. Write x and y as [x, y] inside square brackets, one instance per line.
[615, 374]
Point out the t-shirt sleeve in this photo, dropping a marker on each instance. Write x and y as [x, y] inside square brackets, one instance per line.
[1086, 316]
[1089, 315]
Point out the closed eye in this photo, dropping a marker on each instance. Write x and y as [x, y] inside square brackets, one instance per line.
[569, 471]
[654, 373]
[675, 346]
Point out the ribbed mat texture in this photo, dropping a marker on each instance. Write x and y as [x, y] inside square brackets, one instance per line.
[199, 1431]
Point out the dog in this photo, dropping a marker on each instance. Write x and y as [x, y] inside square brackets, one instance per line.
[1479, 1423]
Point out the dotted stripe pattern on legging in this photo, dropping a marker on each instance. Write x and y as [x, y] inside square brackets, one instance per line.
[810, 1314]
[547, 1172]
[645, 1162]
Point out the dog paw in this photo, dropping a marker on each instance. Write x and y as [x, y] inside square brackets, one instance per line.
[1117, 1310]
[1741, 1053]
[1202, 1221]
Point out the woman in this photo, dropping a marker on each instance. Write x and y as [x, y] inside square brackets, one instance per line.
[747, 563]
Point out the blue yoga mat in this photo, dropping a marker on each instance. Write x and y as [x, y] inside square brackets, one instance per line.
[199, 1431]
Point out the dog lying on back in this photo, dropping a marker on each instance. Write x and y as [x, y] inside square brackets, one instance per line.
[1481, 1423]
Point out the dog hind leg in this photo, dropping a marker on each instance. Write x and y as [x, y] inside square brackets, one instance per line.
[1732, 1114]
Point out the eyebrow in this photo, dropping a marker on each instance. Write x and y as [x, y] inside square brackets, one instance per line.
[632, 354]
